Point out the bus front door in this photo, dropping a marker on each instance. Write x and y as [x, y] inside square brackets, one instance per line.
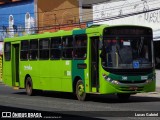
[94, 64]
[15, 65]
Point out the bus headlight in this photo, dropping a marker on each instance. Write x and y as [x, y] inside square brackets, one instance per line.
[110, 80]
[149, 81]
[115, 82]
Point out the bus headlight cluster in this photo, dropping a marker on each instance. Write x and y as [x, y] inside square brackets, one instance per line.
[149, 81]
[110, 80]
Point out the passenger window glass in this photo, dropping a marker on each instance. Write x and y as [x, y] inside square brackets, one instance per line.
[7, 51]
[44, 49]
[24, 55]
[80, 48]
[55, 46]
[33, 50]
[67, 44]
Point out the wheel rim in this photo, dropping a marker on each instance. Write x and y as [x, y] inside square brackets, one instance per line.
[80, 90]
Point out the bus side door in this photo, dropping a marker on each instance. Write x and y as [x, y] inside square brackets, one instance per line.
[94, 64]
[15, 65]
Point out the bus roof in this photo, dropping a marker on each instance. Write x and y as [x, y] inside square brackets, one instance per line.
[39, 36]
[76, 31]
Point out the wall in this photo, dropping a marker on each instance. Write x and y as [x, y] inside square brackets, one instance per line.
[87, 15]
[18, 10]
[125, 12]
[57, 12]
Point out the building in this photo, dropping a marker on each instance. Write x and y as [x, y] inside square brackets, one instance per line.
[59, 12]
[138, 12]
[21, 17]
[16, 17]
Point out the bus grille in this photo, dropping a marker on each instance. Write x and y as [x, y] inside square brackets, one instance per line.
[132, 82]
[129, 89]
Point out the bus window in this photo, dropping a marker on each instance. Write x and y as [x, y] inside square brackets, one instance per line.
[80, 49]
[7, 51]
[67, 45]
[24, 55]
[33, 50]
[55, 46]
[44, 49]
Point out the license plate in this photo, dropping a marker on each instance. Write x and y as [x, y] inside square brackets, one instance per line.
[133, 88]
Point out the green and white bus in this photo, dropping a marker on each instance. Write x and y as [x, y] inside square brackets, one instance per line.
[100, 59]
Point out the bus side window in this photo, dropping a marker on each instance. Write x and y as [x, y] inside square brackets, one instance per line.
[24, 55]
[55, 51]
[44, 49]
[33, 53]
[67, 45]
[80, 48]
[7, 51]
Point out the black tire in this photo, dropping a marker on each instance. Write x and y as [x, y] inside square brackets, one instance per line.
[80, 92]
[123, 96]
[29, 87]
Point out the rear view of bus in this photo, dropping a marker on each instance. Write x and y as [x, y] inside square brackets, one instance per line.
[127, 60]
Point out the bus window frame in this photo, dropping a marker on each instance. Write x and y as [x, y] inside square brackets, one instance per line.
[24, 51]
[30, 58]
[80, 47]
[64, 48]
[59, 47]
[8, 57]
[43, 49]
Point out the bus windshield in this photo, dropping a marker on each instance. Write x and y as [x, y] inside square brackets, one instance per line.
[124, 52]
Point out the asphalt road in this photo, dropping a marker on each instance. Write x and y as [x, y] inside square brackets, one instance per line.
[64, 105]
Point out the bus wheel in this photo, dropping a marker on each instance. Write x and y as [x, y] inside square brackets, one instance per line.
[29, 86]
[124, 96]
[80, 92]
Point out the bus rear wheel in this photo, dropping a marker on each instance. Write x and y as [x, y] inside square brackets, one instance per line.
[80, 92]
[29, 86]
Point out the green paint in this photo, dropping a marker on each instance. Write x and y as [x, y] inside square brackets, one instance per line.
[79, 31]
[76, 72]
[130, 78]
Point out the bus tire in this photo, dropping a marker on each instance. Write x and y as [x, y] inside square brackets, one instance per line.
[80, 92]
[123, 96]
[29, 86]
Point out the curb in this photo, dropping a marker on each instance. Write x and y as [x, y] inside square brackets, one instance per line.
[1, 83]
[158, 89]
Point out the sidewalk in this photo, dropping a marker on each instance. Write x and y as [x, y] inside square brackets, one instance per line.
[1, 82]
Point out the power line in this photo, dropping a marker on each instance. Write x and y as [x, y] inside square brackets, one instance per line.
[85, 14]
[100, 20]
[77, 7]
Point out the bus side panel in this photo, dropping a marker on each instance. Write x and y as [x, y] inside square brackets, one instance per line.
[86, 76]
[66, 75]
[30, 68]
[78, 70]
[51, 78]
[23, 72]
[7, 73]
